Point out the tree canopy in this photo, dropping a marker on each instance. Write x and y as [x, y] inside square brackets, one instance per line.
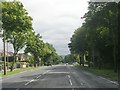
[98, 36]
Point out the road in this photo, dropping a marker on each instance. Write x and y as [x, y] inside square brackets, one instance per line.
[57, 76]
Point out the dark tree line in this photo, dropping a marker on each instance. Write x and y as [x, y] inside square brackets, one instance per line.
[97, 38]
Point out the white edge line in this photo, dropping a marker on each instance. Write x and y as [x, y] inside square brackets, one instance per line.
[109, 80]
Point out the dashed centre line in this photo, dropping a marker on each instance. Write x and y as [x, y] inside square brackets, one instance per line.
[36, 78]
[70, 81]
[29, 82]
[69, 76]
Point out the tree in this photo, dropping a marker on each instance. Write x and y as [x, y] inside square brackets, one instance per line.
[69, 59]
[50, 54]
[34, 45]
[42, 52]
[15, 19]
[99, 37]
[78, 43]
[0, 23]
[18, 40]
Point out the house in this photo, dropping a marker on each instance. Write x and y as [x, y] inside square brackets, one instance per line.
[0, 63]
[22, 60]
[21, 57]
[1, 55]
[6, 53]
[10, 54]
[9, 58]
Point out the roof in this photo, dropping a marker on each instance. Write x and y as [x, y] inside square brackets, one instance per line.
[7, 53]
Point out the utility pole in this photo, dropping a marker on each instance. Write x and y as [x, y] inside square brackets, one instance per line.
[4, 52]
[7, 57]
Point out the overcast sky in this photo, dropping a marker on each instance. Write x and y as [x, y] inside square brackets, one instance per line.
[56, 20]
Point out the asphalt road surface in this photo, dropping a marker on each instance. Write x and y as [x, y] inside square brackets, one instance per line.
[57, 76]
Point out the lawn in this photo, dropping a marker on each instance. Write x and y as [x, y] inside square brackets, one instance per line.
[0, 74]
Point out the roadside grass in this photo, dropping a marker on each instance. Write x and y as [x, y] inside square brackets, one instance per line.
[16, 71]
[0, 74]
[109, 73]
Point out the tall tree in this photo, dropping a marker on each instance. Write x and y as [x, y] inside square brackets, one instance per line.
[101, 35]
[15, 19]
[34, 46]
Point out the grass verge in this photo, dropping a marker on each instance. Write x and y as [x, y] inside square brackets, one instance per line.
[16, 71]
[109, 73]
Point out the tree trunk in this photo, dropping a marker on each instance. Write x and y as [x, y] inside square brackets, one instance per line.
[34, 63]
[89, 58]
[83, 60]
[38, 63]
[12, 66]
[80, 60]
[115, 51]
[15, 53]
[13, 63]
[99, 63]
[93, 56]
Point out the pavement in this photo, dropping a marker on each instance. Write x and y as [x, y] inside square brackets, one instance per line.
[57, 76]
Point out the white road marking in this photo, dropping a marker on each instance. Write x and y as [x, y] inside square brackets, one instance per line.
[69, 76]
[82, 83]
[46, 72]
[29, 82]
[70, 81]
[109, 80]
[38, 76]
[59, 72]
